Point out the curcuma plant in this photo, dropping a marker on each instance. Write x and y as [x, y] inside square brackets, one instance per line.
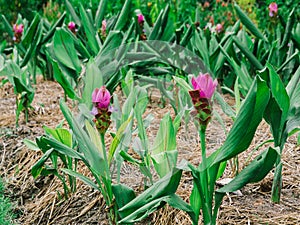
[204, 197]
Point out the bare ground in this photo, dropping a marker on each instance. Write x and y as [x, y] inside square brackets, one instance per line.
[39, 202]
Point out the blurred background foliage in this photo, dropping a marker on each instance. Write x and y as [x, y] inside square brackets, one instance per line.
[181, 11]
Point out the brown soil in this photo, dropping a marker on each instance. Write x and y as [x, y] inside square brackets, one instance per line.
[39, 202]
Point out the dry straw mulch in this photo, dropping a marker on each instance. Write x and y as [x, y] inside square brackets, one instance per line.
[39, 202]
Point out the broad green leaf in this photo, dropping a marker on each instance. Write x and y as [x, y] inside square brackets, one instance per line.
[117, 140]
[63, 81]
[123, 16]
[81, 177]
[74, 15]
[252, 59]
[89, 30]
[31, 144]
[91, 153]
[164, 153]
[62, 148]
[293, 90]
[52, 30]
[100, 13]
[248, 23]
[152, 196]
[32, 48]
[39, 165]
[182, 83]
[254, 172]
[123, 194]
[8, 27]
[187, 36]
[93, 79]
[288, 29]
[247, 120]
[95, 137]
[64, 50]
[60, 134]
[31, 31]
[278, 106]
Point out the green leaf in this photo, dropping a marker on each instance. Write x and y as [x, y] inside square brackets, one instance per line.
[52, 30]
[93, 79]
[117, 139]
[64, 50]
[74, 15]
[100, 13]
[151, 199]
[39, 165]
[31, 31]
[164, 153]
[31, 144]
[247, 120]
[254, 172]
[8, 27]
[91, 153]
[60, 134]
[63, 81]
[62, 148]
[81, 177]
[288, 29]
[252, 59]
[89, 30]
[95, 137]
[123, 17]
[278, 106]
[123, 194]
[248, 23]
[182, 83]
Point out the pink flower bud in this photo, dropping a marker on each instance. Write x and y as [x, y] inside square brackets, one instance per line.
[103, 28]
[141, 18]
[72, 27]
[101, 98]
[205, 84]
[219, 28]
[18, 29]
[273, 9]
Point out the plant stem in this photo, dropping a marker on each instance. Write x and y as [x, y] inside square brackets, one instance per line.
[207, 204]
[113, 217]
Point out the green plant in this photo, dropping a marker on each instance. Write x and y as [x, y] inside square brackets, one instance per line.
[6, 215]
[51, 144]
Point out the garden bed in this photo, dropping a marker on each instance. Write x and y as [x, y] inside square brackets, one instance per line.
[41, 202]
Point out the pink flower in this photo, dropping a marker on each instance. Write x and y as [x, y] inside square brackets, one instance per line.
[205, 84]
[219, 28]
[101, 98]
[273, 9]
[141, 18]
[72, 27]
[103, 28]
[18, 29]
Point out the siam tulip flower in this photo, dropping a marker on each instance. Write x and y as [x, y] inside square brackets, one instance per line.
[103, 28]
[141, 21]
[72, 27]
[204, 87]
[206, 4]
[101, 98]
[101, 109]
[205, 84]
[18, 31]
[273, 9]
[219, 28]
[141, 18]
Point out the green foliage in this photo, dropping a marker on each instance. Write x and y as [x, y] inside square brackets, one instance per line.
[6, 215]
